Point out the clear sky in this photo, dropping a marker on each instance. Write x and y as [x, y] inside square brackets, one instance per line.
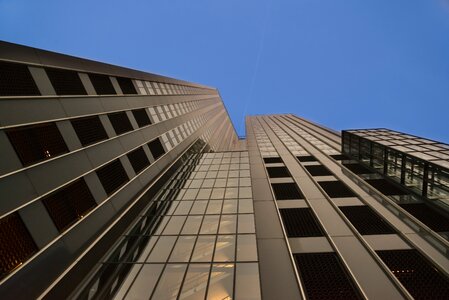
[344, 64]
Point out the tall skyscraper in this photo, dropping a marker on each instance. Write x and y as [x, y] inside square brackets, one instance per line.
[117, 183]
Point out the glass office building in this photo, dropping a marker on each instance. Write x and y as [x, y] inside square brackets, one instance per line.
[122, 184]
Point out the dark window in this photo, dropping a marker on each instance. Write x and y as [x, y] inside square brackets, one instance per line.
[336, 189]
[102, 84]
[126, 85]
[306, 158]
[16, 80]
[16, 244]
[385, 187]
[156, 148]
[277, 172]
[319, 170]
[365, 220]
[120, 122]
[417, 275]
[272, 160]
[89, 130]
[432, 218]
[69, 204]
[300, 222]
[358, 168]
[340, 157]
[138, 159]
[37, 142]
[65, 82]
[286, 191]
[112, 176]
[141, 117]
[324, 277]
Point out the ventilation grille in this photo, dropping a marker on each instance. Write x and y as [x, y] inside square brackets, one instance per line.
[306, 158]
[324, 277]
[16, 80]
[112, 176]
[65, 82]
[138, 159]
[385, 187]
[300, 222]
[141, 117]
[336, 189]
[286, 191]
[365, 220]
[89, 130]
[319, 170]
[278, 172]
[120, 122]
[428, 216]
[126, 85]
[16, 244]
[156, 148]
[37, 142]
[358, 168]
[102, 84]
[417, 275]
[272, 160]
[69, 204]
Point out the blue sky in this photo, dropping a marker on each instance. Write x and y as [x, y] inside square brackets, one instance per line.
[344, 64]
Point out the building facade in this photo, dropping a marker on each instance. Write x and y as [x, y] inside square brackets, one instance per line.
[116, 183]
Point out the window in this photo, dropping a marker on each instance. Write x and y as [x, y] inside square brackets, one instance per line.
[126, 85]
[385, 187]
[16, 80]
[336, 189]
[120, 122]
[141, 117]
[102, 84]
[324, 277]
[300, 222]
[112, 176]
[358, 168]
[16, 245]
[419, 277]
[156, 148]
[65, 82]
[69, 204]
[431, 217]
[89, 130]
[138, 159]
[365, 220]
[278, 172]
[318, 170]
[340, 157]
[272, 160]
[36, 142]
[286, 191]
[306, 158]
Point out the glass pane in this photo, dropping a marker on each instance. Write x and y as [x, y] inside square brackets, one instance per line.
[246, 247]
[225, 248]
[210, 225]
[144, 284]
[162, 249]
[170, 282]
[228, 224]
[147, 249]
[183, 207]
[229, 207]
[174, 225]
[195, 283]
[204, 249]
[246, 224]
[214, 207]
[247, 281]
[246, 206]
[221, 282]
[183, 249]
[192, 225]
[199, 207]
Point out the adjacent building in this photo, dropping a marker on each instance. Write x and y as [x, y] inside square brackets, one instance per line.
[116, 183]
